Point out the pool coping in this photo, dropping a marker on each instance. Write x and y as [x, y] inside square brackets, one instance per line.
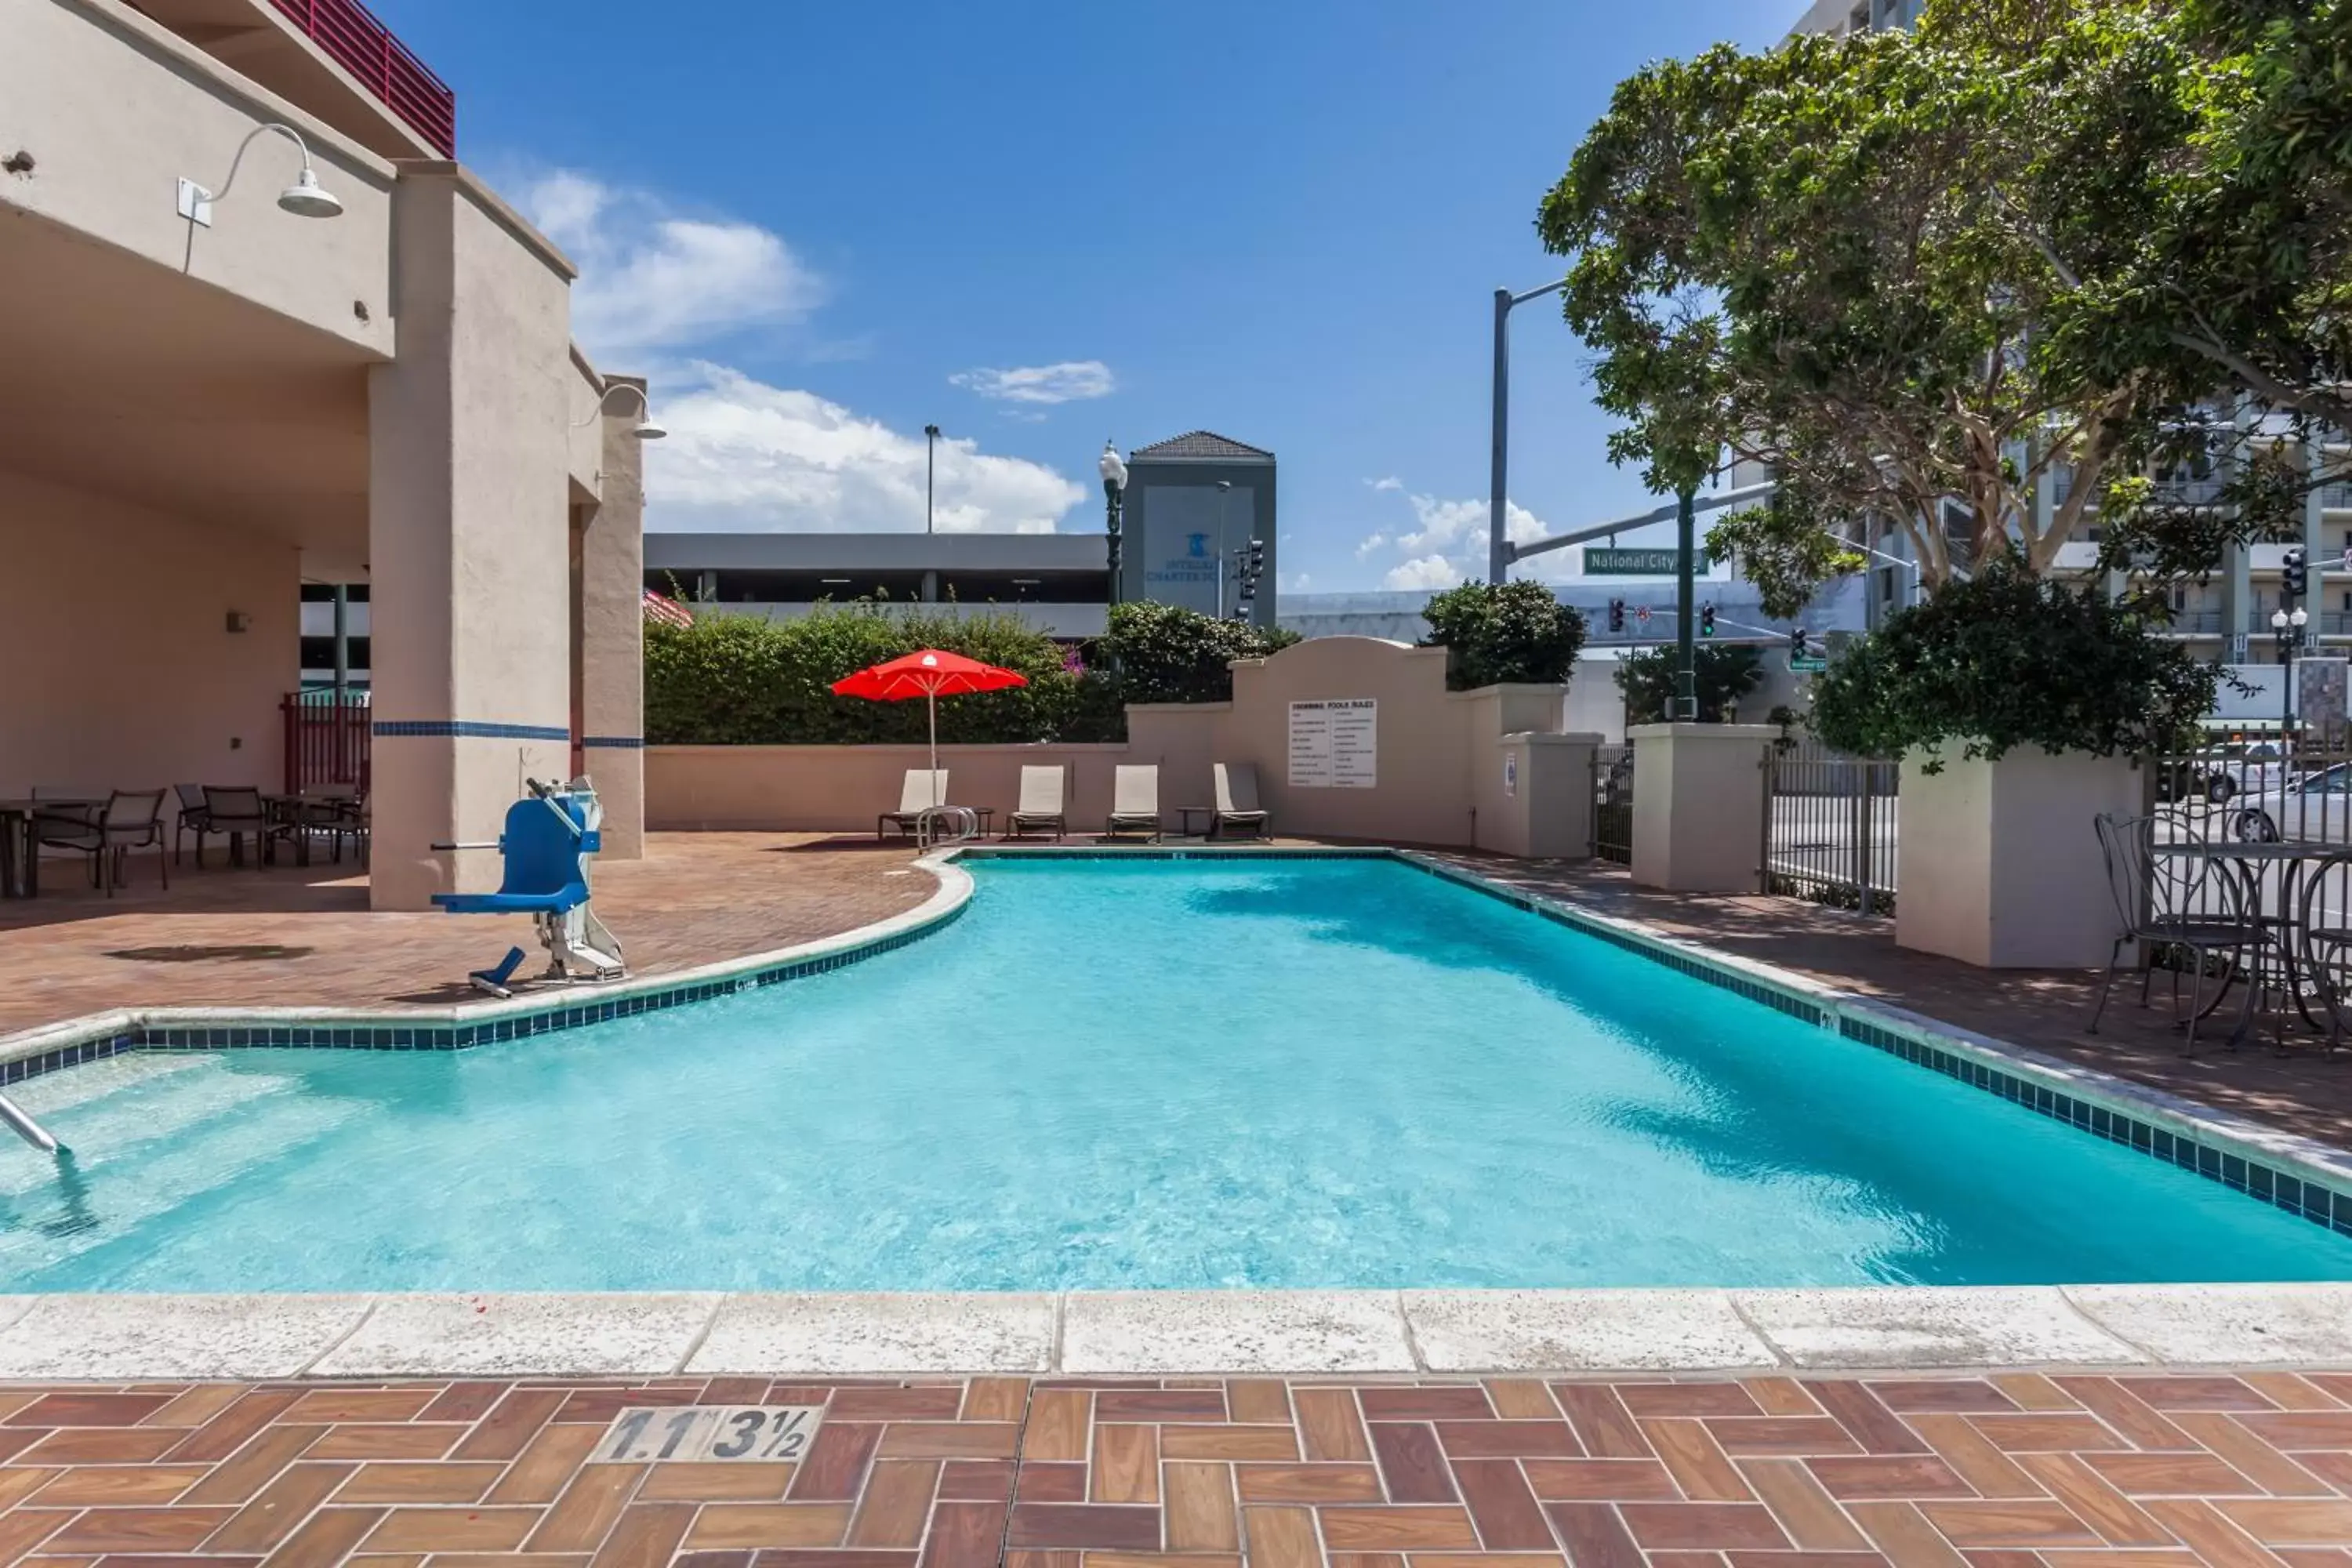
[1668, 1332]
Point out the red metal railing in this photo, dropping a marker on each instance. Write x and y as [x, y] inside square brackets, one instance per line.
[325, 743]
[353, 38]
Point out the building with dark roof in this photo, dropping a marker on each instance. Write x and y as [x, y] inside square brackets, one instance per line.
[1196, 503]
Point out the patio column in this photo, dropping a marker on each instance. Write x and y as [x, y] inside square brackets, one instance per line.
[611, 631]
[469, 533]
[1699, 805]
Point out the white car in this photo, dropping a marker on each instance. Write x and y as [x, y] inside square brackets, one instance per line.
[2262, 768]
[2317, 806]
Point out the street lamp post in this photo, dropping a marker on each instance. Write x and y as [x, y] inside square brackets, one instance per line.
[1113, 478]
[2287, 626]
[1498, 557]
[930, 453]
[1685, 573]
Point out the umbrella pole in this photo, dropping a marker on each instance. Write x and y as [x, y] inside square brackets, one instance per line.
[932, 701]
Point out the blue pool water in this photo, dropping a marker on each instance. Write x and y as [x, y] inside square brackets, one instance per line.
[1196, 1073]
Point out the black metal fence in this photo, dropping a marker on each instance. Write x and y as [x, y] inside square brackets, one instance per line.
[1831, 826]
[1612, 803]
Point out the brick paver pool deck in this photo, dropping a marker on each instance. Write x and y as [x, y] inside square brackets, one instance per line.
[2027, 1470]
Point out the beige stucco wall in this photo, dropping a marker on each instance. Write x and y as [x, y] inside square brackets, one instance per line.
[122, 673]
[114, 110]
[2000, 864]
[469, 533]
[1699, 805]
[612, 630]
[1438, 764]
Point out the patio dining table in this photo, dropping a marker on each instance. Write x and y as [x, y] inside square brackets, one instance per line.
[2252, 860]
[20, 843]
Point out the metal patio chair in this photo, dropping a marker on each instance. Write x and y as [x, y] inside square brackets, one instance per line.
[132, 819]
[2182, 903]
[237, 811]
[2324, 939]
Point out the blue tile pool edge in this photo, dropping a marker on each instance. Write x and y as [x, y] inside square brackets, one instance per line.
[46, 1048]
[2297, 1174]
[2300, 1176]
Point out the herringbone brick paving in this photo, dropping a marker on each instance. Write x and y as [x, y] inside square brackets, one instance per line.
[2004, 1471]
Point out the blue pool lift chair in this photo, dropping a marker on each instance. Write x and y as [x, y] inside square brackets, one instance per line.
[550, 836]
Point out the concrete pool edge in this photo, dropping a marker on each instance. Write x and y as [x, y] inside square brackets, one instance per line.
[1405, 1334]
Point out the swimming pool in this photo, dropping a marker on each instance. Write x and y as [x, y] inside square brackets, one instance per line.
[1116, 1074]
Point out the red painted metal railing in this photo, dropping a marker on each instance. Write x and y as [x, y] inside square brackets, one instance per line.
[325, 743]
[353, 38]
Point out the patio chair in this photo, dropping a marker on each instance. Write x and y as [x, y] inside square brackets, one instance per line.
[922, 790]
[334, 811]
[1238, 805]
[132, 819]
[196, 816]
[2324, 934]
[236, 812]
[1134, 801]
[2179, 902]
[1041, 804]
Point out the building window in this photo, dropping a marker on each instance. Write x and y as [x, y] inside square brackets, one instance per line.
[319, 653]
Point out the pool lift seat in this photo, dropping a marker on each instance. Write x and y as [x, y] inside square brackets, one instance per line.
[550, 836]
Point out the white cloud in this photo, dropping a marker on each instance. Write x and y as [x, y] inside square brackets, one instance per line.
[651, 279]
[1291, 582]
[743, 456]
[1372, 545]
[1390, 482]
[1426, 572]
[1072, 381]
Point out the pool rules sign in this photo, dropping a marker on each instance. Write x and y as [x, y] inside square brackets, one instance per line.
[1335, 743]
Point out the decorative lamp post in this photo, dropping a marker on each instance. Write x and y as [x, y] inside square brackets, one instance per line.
[2287, 626]
[1113, 478]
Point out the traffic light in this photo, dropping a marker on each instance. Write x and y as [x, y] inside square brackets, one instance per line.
[1799, 645]
[2298, 576]
[1256, 558]
[1616, 615]
[1706, 621]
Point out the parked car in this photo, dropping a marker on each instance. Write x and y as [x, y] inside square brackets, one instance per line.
[2317, 806]
[2262, 766]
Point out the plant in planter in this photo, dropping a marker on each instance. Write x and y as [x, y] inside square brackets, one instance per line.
[2006, 660]
[1511, 633]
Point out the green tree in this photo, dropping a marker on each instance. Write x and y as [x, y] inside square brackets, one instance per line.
[1164, 653]
[1512, 632]
[1808, 258]
[1725, 673]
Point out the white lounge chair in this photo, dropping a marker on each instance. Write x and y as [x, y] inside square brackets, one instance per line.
[1134, 801]
[1237, 806]
[1041, 804]
[924, 788]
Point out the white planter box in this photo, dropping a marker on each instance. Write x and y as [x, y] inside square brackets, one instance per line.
[1999, 863]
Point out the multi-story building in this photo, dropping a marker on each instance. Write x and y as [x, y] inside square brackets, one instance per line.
[1198, 530]
[262, 329]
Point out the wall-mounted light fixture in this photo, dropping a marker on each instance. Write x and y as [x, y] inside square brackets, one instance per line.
[304, 198]
[647, 430]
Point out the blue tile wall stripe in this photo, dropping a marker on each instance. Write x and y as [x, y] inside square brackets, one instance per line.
[622, 742]
[471, 729]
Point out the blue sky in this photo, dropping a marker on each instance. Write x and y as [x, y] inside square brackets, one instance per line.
[1039, 224]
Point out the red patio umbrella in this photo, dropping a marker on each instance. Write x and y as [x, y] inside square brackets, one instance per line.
[929, 674]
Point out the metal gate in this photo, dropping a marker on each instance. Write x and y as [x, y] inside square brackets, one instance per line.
[1612, 803]
[1829, 826]
[326, 741]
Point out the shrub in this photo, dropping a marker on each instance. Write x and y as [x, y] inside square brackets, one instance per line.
[745, 681]
[1165, 654]
[2004, 661]
[1725, 674]
[1517, 632]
